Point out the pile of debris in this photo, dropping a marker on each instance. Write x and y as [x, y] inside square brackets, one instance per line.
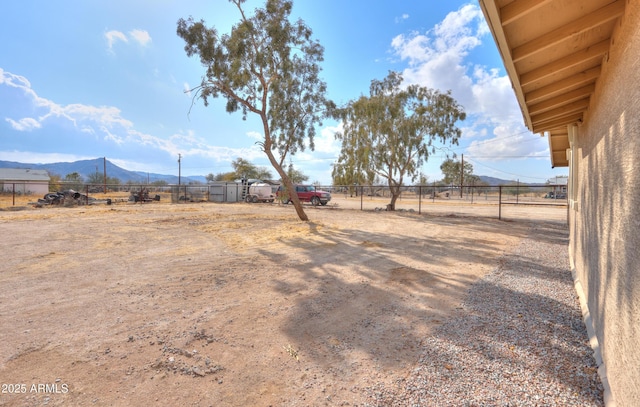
[71, 198]
[142, 196]
[68, 197]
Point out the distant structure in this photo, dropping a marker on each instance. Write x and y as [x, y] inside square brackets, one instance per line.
[24, 181]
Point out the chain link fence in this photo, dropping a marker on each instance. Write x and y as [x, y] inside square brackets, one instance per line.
[521, 201]
[503, 202]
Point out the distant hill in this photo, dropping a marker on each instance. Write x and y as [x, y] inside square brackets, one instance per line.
[498, 181]
[87, 167]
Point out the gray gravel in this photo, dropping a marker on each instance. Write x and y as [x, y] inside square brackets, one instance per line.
[518, 339]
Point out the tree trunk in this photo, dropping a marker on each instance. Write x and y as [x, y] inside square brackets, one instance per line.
[294, 198]
[394, 197]
[289, 187]
[394, 188]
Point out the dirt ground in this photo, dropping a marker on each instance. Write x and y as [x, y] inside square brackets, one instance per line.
[227, 304]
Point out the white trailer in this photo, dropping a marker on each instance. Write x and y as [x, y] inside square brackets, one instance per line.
[260, 192]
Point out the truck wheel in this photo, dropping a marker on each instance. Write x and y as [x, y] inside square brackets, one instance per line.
[247, 199]
[315, 201]
[254, 199]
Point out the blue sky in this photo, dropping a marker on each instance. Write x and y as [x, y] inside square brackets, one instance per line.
[86, 79]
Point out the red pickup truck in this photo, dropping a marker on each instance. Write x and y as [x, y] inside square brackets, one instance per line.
[306, 193]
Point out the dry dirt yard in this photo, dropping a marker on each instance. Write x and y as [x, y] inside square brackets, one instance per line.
[227, 304]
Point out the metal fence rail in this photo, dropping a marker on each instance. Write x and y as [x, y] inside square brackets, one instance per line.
[502, 202]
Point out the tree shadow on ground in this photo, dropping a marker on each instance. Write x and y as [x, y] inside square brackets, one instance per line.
[398, 286]
[387, 311]
[521, 339]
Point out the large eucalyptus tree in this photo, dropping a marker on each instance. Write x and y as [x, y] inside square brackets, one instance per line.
[266, 66]
[393, 131]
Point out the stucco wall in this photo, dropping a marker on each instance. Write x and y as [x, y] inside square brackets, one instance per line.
[605, 230]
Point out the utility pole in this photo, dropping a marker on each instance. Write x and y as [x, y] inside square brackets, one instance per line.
[461, 175]
[105, 174]
[179, 170]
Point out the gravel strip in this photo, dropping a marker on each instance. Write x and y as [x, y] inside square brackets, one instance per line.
[519, 339]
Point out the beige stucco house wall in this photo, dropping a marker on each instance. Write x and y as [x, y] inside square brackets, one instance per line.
[605, 220]
[575, 69]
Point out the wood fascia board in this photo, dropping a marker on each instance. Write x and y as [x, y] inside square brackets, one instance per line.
[549, 135]
[591, 52]
[565, 98]
[518, 9]
[590, 75]
[559, 159]
[492, 15]
[574, 28]
[562, 111]
[557, 123]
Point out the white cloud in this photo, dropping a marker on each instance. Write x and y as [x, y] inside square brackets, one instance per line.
[142, 37]
[326, 142]
[26, 124]
[40, 158]
[86, 117]
[509, 142]
[187, 89]
[255, 135]
[439, 59]
[106, 123]
[403, 17]
[114, 36]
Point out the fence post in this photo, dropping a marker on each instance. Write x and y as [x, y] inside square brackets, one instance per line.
[14, 194]
[419, 199]
[361, 193]
[500, 202]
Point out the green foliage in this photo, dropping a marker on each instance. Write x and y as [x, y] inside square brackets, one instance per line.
[73, 181]
[296, 176]
[392, 132]
[245, 169]
[451, 171]
[241, 169]
[267, 66]
[515, 188]
[348, 173]
[98, 179]
[54, 182]
[226, 176]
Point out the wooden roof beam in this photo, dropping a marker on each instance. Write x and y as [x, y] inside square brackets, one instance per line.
[590, 75]
[591, 52]
[517, 9]
[583, 92]
[567, 31]
[562, 111]
[557, 123]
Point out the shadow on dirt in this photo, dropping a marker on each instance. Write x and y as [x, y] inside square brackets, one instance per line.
[388, 311]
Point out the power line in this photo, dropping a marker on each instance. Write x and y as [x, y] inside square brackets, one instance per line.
[494, 140]
[506, 172]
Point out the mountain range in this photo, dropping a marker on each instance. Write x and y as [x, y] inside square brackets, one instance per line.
[87, 167]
